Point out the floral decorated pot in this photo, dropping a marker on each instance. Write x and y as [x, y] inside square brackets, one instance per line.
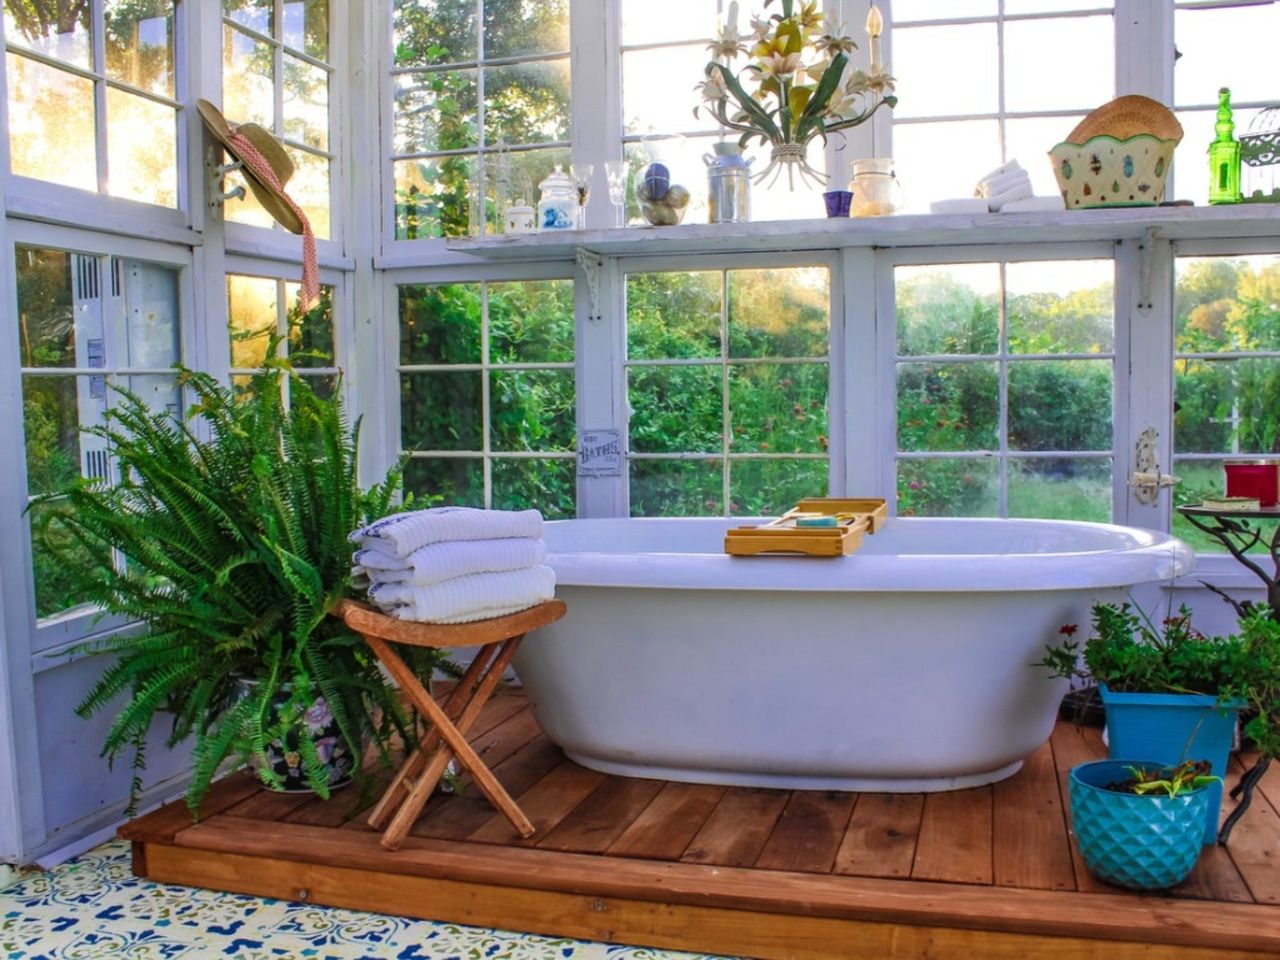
[1106, 172]
[283, 753]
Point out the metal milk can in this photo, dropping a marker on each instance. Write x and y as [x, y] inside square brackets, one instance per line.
[728, 184]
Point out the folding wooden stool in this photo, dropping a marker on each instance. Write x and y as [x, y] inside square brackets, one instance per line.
[500, 637]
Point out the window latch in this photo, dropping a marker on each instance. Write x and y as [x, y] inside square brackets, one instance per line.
[1147, 480]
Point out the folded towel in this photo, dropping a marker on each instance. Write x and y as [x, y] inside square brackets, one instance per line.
[1004, 168]
[959, 205]
[1033, 205]
[402, 533]
[997, 201]
[449, 559]
[478, 596]
[1002, 183]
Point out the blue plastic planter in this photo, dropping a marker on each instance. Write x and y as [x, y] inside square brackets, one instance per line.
[1168, 728]
[1144, 843]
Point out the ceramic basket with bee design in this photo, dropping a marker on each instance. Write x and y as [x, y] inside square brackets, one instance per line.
[1118, 156]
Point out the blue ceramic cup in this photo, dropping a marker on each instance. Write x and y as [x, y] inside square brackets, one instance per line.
[838, 202]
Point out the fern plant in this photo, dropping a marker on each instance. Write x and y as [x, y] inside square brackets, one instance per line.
[226, 536]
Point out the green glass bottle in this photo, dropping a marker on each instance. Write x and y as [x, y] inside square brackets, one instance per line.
[1224, 155]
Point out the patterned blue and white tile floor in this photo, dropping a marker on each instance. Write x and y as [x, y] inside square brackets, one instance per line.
[93, 908]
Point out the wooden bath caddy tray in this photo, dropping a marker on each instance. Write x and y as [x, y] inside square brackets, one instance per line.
[853, 518]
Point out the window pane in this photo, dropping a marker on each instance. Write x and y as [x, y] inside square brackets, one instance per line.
[778, 408]
[248, 72]
[1060, 405]
[144, 327]
[142, 149]
[447, 480]
[51, 124]
[1227, 406]
[949, 488]
[252, 317]
[441, 411]
[926, 176]
[60, 30]
[657, 21]
[254, 14]
[46, 320]
[139, 38]
[948, 406]
[672, 315]
[526, 103]
[1228, 304]
[1059, 488]
[1036, 49]
[1052, 6]
[53, 555]
[309, 187]
[311, 333]
[531, 322]
[532, 410]
[306, 27]
[440, 324]
[767, 488]
[658, 94]
[324, 386]
[927, 91]
[510, 174]
[677, 488]
[905, 10]
[52, 408]
[1200, 479]
[675, 409]
[546, 485]
[1060, 307]
[1226, 47]
[1028, 141]
[433, 31]
[779, 313]
[514, 28]
[948, 309]
[433, 197]
[306, 103]
[436, 111]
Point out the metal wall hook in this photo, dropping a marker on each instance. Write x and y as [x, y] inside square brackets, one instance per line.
[217, 175]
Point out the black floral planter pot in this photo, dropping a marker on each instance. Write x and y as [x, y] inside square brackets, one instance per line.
[317, 723]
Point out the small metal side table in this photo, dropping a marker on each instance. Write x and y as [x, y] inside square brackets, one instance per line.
[1233, 529]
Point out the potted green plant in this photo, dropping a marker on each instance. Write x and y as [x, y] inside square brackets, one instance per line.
[1139, 825]
[225, 536]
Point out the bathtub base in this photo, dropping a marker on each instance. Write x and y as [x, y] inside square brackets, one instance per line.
[736, 778]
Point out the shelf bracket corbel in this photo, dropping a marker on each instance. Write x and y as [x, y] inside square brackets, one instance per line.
[591, 264]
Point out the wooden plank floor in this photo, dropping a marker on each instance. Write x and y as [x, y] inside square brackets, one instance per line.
[990, 872]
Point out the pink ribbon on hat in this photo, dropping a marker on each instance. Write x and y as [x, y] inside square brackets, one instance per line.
[256, 162]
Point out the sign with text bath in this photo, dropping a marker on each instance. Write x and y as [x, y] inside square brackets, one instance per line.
[600, 453]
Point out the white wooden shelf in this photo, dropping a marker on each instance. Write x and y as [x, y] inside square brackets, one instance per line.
[921, 230]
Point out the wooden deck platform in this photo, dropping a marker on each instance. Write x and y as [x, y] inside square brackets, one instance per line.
[988, 873]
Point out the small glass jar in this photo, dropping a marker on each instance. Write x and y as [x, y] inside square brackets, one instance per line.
[558, 207]
[876, 191]
[520, 218]
[1259, 479]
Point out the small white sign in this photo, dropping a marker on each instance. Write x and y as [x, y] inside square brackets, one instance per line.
[599, 453]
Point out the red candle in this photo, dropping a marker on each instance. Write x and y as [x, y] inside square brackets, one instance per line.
[1254, 478]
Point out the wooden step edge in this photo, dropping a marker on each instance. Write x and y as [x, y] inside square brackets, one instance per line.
[1117, 916]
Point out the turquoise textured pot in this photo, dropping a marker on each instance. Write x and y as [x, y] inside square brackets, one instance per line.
[1143, 843]
[1168, 728]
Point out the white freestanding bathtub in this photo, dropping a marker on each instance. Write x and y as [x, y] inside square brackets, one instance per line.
[906, 666]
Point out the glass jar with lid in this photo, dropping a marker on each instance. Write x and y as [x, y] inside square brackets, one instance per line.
[876, 191]
[558, 206]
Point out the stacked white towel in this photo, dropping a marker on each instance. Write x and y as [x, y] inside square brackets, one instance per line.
[454, 564]
[1006, 189]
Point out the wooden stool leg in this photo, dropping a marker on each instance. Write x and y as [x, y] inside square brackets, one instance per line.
[402, 784]
[454, 740]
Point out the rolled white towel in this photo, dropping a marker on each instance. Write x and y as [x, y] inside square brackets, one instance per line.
[960, 205]
[996, 201]
[1008, 167]
[464, 599]
[449, 559]
[1033, 205]
[1003, 183]
[403, 533]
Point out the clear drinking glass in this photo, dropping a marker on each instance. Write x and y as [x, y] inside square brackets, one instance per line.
[581, 174]
[616, 172]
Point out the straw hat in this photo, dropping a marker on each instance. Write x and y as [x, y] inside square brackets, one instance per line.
[267, 145]
[1126, 117]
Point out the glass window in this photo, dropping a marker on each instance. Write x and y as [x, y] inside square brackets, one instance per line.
[125, 143]
[1226, 374]
[276, 73]
[1004, 389]
[87, 325]
[487, 399]
[727, 383]
[259, 308]
[1004, 99]
[481, 112]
